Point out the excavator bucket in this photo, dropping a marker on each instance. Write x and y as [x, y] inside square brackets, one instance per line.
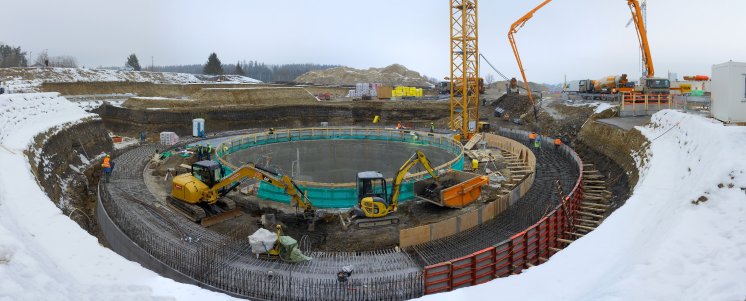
[456, 189]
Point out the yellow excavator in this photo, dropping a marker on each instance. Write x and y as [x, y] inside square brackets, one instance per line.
[374, 202]
[200, 195]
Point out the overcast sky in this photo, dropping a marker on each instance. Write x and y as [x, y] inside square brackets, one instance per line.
[577, 38]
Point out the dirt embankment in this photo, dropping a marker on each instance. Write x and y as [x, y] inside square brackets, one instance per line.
[132, 121]
[67, 169]
[228, 97]
[515, 104]
[138, 88]
[621, 146]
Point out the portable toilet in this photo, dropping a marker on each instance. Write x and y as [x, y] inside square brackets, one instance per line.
[198, 127]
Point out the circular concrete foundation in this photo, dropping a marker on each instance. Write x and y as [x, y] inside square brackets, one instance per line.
[325, 162]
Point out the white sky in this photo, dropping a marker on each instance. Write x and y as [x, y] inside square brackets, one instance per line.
[579, 38]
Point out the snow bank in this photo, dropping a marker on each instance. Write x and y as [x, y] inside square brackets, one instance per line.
[43, 254]
[22, 80]
[599, 106]
[659, 245]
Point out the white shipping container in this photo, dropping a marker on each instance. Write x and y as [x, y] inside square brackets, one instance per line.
[729, 92]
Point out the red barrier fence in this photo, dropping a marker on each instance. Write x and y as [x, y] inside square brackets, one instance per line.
[531, 247]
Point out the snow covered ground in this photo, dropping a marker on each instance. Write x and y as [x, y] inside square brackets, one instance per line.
[659, 245]
[24, 80]
[43, 254]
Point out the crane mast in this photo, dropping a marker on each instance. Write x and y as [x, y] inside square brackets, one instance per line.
[517, 25]
[464, 66]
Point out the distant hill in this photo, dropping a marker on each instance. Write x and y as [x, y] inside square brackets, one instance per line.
[345, 76]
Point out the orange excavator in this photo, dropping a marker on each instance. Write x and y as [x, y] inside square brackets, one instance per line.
[513, 30]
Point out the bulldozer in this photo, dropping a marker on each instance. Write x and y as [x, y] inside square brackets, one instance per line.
[201, 194]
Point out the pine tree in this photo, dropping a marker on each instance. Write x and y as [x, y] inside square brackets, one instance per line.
[239, 69]
[213, 66]
[133, 62]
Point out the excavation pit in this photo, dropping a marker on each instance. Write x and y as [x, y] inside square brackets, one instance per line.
[324, 162]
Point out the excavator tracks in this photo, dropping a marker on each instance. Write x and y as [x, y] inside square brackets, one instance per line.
[369, 223]
[221, 211]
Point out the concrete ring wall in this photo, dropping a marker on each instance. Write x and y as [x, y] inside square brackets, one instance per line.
[341, 195]
[531, 247]
[442, 229]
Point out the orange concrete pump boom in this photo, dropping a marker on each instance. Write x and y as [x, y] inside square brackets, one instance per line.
[634, 6]
[514, 29]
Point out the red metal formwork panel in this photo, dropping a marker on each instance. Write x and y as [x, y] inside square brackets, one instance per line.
[543, 239]
[462, 272]
[484, 265]
[518, 253]
[503, 259]
[437, 278]
[552, 233]
[532, 244]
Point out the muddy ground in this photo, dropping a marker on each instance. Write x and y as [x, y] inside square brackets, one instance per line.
[328, 235]
[609, 151]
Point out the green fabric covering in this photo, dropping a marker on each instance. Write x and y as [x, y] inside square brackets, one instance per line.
[289, 250]
[165, 155]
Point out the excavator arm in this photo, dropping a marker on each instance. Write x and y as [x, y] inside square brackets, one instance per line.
[642, 36]
[418, 157]
[250, 171]
[513, 30]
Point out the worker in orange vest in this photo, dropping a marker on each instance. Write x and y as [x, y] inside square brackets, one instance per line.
[532, 137]
[107, 167]
[557, 143]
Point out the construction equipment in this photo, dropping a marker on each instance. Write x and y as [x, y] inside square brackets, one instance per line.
[649, 84]
[513, 30]
[200, 195]
[512, 87]
[464, 79]
[375, 204]
[324, 96]
[483, 127]
[613, 84]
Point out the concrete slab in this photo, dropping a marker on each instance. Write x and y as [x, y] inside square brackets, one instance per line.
[625, 123]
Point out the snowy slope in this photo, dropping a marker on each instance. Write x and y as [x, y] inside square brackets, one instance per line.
[659, 245]
[20, 80]
[43, 254]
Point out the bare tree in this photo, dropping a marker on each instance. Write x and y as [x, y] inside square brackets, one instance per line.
[489, 78]
[63, 62]
[42, 59]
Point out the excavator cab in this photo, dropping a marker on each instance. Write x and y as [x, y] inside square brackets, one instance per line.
[371, 191]
[208, 172]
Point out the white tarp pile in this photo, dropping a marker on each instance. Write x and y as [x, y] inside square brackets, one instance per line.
[262, 241]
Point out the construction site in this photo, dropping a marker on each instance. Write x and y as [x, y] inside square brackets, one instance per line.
[352, 184]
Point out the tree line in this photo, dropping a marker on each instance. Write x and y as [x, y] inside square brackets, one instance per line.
[15, 57]
[254, 69]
